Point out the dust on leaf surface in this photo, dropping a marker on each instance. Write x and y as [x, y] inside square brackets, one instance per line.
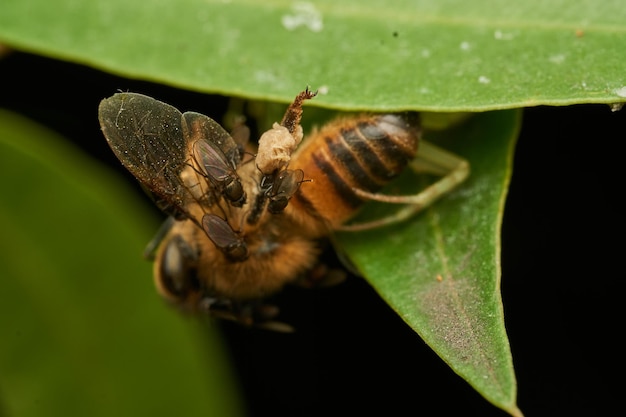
[424, 55]
[441, 269]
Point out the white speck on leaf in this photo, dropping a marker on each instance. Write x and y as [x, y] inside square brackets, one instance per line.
[621, 92]
[268, 77]
[616, 106]
[502, 36]
[322, 90]
[465, 46]
[425, 53]
[303, 14]
[557, 58]
[484, 80]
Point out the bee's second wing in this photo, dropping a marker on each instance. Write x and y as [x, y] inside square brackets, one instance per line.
[146, 136]
[197, 126]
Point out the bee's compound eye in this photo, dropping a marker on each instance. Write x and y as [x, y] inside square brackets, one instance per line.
[176, 270]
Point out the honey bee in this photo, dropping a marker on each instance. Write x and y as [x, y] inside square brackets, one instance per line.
[246, 220]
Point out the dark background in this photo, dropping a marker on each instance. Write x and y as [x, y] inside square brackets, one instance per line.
[563, 242]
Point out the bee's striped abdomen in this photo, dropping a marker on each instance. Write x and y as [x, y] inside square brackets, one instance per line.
[363, 152]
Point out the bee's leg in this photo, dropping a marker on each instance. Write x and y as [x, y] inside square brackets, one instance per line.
[322, 276]
[432, 160]
[150, 250]
[293, 114]
[263, 317]
[252, 313]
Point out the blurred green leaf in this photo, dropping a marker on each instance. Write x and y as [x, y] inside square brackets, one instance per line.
[83, 332]
[441, 270]
[446, 55]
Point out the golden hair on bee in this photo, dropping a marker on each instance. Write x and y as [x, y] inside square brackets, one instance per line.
[362, 152]
[241, 227]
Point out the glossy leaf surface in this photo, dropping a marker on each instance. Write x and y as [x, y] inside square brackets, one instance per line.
[420, 54]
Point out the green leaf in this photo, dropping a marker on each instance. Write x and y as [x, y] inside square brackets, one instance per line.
[440, 271]
[421, 54]
[83, 331]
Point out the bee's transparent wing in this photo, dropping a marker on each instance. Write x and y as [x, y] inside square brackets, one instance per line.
[147, 137]
[216, 154]
[197, 126]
